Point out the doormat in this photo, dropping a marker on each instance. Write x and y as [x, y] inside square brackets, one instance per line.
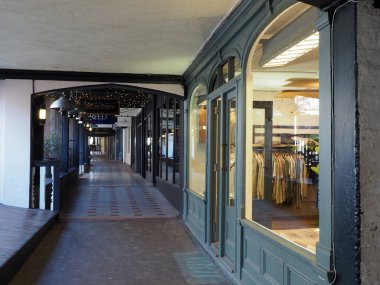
[198, 268]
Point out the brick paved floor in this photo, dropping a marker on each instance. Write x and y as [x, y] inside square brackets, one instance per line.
[117, 229]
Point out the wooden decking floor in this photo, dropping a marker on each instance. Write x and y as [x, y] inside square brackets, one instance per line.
[20, 231]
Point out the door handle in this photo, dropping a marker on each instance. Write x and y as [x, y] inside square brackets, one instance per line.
[224, 160]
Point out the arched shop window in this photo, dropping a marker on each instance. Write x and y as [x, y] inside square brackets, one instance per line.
[197, 140]
[282, 128]
[230, 69]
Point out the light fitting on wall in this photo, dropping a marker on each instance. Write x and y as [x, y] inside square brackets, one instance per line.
[295, 51]
[291, 42]
[63, 105]
[42, 115]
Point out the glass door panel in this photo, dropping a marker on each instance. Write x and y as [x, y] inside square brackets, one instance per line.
[216, 162]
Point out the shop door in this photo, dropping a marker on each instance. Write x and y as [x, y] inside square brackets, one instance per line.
[216, 171]
[223, 211]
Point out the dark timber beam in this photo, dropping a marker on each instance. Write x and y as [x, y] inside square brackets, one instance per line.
[90, 76]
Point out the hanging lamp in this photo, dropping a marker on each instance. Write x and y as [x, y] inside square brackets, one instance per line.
[63, 105]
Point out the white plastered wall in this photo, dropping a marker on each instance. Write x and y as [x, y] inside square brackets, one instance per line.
[127, 145]
[15, 141]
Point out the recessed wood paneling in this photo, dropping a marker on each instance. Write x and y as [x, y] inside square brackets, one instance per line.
[273, 268]
[295, 277]
[252, 255]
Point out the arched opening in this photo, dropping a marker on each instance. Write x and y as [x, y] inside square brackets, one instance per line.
[197, 139]
[282, 128]
[115, 120]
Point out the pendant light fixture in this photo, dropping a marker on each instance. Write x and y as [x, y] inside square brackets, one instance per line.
[76, 112]
[63, 105]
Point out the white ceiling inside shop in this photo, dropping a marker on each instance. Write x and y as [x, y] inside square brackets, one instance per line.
[304, 67]
[135, 36]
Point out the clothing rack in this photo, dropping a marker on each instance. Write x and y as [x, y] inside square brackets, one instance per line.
[289, 178]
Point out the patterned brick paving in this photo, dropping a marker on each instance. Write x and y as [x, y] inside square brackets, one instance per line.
[117, 203]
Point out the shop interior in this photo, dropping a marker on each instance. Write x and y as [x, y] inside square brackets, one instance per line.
[283, 128]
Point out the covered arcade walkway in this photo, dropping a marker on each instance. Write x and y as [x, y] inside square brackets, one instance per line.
[116, 228]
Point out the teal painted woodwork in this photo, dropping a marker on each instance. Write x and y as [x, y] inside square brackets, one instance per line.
[259, 256]
[196, 214]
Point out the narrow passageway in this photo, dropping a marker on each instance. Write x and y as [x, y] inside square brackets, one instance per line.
[116, 228]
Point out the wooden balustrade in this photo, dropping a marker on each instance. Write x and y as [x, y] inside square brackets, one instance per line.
[45, 185]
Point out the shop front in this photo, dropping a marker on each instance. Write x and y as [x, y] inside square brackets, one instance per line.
[258, 151]
[157, 144]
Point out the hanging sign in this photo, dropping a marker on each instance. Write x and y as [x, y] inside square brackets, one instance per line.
[102, 133]
[102, 119]
[101, 106]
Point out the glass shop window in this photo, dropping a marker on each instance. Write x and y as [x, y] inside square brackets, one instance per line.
[282, 128]
[177, 140]
[148, 143]
[164, 141]
[71, 142]
[170, 140]
[230, 69]
[197, 140]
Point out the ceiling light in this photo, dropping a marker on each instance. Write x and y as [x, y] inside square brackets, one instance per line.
[74, 113]
[295, 51]
[63, 105]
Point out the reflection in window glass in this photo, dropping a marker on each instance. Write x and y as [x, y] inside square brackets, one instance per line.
[231, 152]
[71, 143]
[282, 135]
[225, 72]
[237, 69]
[197, 140]
[164, 144]
[170, 141]
[148, 144]
[230, 69]
[177, 144]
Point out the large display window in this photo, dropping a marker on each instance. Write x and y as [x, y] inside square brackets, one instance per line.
[197, 140]
[169, 141]
[282, 128]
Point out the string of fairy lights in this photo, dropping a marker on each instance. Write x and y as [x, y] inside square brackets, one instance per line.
[118, 97]
[126, 98]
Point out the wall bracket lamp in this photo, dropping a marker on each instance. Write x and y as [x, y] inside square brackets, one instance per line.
[42, 115]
